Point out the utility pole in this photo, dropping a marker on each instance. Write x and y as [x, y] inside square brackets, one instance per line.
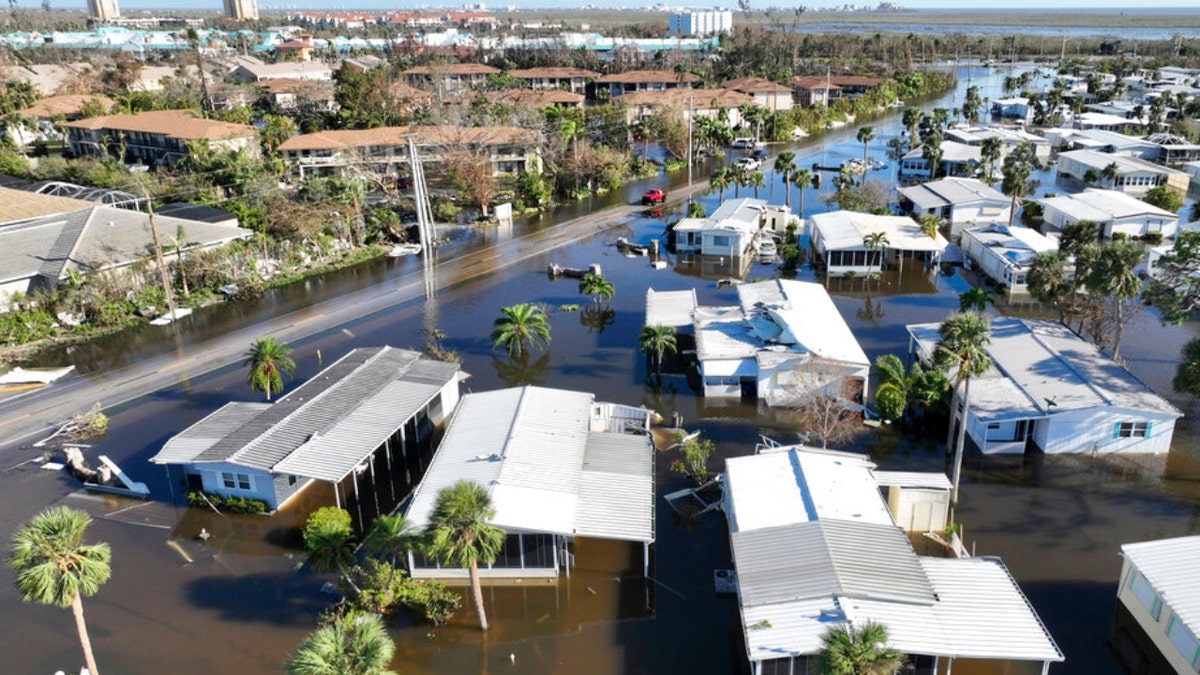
[691, 116]
[162, 264]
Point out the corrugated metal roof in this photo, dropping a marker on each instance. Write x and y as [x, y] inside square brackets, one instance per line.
[670, 308]
[1101, 206]
[806, 313]
[845, 230]
[789, 628]
[325, 427]
[1047, 362]
[953, 191]
[1170, 565]
[546, 468]
[828, 558]
[187, 444]
[912, 479]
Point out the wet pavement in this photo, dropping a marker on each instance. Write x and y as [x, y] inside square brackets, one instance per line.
[241, 604]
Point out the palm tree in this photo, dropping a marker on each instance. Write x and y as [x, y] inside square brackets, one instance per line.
[929, 225]
[803, 180]
[1047, 280]
[1187, 373]
[597, 287]
[459, 533]
[974, 300]
[722, 180]
[962, 347]
[269, 362]
[54, 567]
[848, 650]
[1110, 174]
[785, 166]
[756, 180]
[351, 644]
[911, 117]
[865, 135]
[654, 341]
[391, 537]
[1113, 275]
[520, 328]
[989, 153]
[1017, 166]
[876, 242]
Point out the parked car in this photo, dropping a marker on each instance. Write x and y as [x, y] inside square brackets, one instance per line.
[653, 196]
[748, 164]
[767, 250]
[759, 153]
[744, 143]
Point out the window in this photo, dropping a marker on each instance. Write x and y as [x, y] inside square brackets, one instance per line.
[1183, 639]
[1145, 594]
[235, 481]
[720, 240]
[1132, 430]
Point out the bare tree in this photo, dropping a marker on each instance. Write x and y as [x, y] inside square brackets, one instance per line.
[823, 396]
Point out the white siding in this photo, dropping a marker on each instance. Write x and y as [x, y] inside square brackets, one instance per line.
[1085, 431]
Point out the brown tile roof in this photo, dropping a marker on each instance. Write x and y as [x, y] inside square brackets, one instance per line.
[534, 98]
[646, 77]
[700, 99]
[170, 123]
[453, 69]
[550, 73]
[67, 105]
[288, 85]
[813, 82]
[440, 135]
[856, 81]
[23, 205]
[754, 85]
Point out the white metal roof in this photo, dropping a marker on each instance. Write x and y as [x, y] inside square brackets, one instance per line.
[1048, 363]
[1100, 206]
[913, 479]
[1170, 565]
[670, 308]
[845, 230]
[953, 191]
[785, 629]
[980, 613]
[953, 152]
[1016, 245]
[1125, 164]
[546, 466]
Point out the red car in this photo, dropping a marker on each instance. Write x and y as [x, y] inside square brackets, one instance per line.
[653, 196]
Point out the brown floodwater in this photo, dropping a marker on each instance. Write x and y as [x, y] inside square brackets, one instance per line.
[241, 601]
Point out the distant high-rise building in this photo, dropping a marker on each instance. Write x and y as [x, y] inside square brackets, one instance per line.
[710, 22]
[241, 10]
[103, 10]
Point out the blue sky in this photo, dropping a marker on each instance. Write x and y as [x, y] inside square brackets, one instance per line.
[499, 5]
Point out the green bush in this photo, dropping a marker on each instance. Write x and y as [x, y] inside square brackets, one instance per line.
[26, 325]
[384, 590]
[1153, 238]
[225, 504]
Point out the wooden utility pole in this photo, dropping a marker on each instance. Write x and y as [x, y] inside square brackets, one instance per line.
[162, 264]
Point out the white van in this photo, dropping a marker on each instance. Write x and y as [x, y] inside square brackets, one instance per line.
[744, 143]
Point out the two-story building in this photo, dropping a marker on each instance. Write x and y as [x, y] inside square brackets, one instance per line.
[808, 90]
[695, 103]
[570, 79]
[766, 94]
[618, 84]
[511, 150]
[450, 77]
[156, 137]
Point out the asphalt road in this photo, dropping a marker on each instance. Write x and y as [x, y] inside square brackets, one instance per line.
[29, 415]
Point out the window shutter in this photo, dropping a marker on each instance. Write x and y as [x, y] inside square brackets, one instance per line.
[1117, 430]
[1149, 425]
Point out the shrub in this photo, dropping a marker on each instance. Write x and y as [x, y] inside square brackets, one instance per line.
[1153, 238]
[384, 590]
[225, 504]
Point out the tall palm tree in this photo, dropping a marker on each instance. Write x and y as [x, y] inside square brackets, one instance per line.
[785, 166]
[847, 650]
[989, 153]
[596, 287]
[865, 135]
[459, 533]
[1114, 275]
[1110, 174]
[520, 328]
[654, 341]
[54, 567]
[910, 118]
[756, 180]
[802, 179]
[876, 242]
[962, 348]
[269, 362]
[1016, 168]
[351, 644]
[721, 180]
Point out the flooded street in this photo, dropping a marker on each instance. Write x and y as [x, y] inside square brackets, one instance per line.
[238, 604]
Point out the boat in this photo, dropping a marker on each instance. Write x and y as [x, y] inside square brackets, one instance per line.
[174, 315]
[34, 375]
[404, 249]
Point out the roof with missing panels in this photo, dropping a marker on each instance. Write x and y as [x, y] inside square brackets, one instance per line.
[325, 427]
